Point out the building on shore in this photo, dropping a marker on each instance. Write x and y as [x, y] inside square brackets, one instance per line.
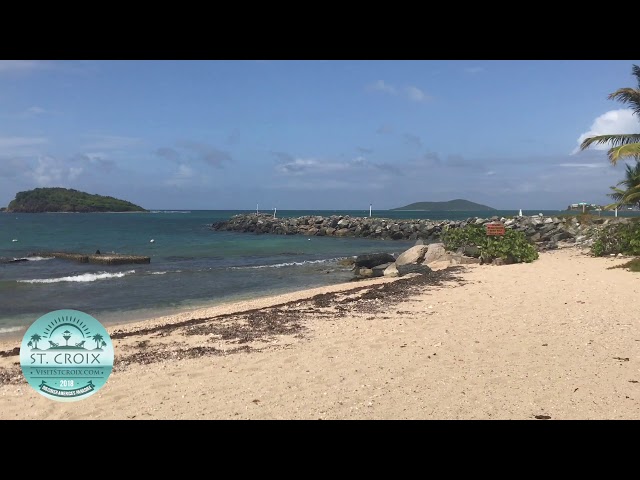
[584, 207]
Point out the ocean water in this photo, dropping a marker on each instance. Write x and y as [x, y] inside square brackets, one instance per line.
[191, 265]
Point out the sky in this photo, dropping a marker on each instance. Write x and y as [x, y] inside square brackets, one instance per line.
[288, 134]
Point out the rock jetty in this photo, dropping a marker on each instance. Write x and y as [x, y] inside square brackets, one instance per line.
[543, 230]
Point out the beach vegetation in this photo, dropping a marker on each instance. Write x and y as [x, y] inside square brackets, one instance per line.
[617, 238]
[513, 246]
[627, 191]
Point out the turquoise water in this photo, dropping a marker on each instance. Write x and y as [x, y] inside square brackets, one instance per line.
[191, 265]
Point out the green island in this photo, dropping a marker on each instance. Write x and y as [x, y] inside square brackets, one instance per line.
[56, 199]
[457, 205]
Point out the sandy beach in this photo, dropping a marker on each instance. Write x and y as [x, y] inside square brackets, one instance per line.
[558, 338]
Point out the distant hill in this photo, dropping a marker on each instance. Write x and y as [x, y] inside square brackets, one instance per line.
[457, 205]
[67, 200]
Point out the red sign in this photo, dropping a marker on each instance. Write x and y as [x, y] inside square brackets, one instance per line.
[495, 228]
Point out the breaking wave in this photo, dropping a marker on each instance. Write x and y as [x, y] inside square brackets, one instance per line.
[288, 264]
[85, 277]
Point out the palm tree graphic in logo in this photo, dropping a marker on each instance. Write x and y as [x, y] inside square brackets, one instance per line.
[98, 338]
[35, 338]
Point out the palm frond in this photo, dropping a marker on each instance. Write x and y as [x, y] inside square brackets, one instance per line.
[611, 206]
[628, 96]
[631, 150]
[614, 139]
[617, 194]
[636, 71]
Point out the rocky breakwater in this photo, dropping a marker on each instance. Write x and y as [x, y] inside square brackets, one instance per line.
[544, 231]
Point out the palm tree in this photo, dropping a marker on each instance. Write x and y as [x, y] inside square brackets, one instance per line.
[97, 338]
[35, 338]
[630, 195]
[625, 145]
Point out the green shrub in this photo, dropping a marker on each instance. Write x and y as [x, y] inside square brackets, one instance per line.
[618, 238]
[471, 235]
[513, 247]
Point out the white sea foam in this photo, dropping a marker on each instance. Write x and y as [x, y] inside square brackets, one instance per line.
[287, 264]
[37, 259]
[158, 273]
[85, 277]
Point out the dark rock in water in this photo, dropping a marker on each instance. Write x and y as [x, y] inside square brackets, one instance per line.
[371, 260]
[413, 268]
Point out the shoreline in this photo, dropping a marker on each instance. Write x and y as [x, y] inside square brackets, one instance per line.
[224, 307]
[549, 339]
[142, 315]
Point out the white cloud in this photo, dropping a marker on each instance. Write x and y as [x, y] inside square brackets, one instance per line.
[610, 123]
[48, 172]
[182, 177]
[304, 166]
[74, 172]
[583, 165]
[416, 95]
[33, 111]
[381, 86]
[301, 165]
[184, 171]
[413, 93]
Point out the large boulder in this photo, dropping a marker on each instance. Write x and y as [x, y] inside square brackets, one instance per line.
[371, 260]
[414, 255]
[378, 270]
[365, 273]
[435, 251]
[391, 271]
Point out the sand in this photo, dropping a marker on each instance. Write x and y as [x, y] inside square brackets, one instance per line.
[558, 338]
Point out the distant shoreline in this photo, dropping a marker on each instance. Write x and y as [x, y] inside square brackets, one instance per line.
[4, 211]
